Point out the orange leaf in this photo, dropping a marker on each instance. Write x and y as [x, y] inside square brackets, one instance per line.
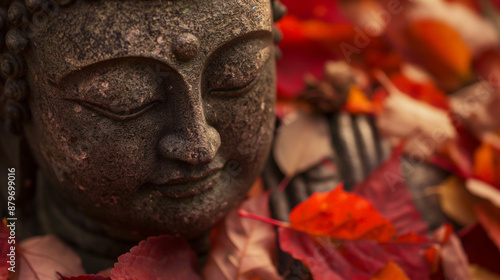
[391, 272]
[441, 50]
[484, 163]
[341, 215]
[357, 102]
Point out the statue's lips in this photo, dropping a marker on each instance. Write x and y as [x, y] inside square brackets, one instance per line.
[189, 186]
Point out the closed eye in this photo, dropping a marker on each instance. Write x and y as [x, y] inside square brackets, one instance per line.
[235, 91]
[118, 114]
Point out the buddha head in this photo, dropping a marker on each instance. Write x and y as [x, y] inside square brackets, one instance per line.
[152, 117]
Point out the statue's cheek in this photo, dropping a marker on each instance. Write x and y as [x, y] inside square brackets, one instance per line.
[89, 151]
[246, 122]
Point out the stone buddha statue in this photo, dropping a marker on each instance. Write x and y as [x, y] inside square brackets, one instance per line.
[125, 119]
[125, 116]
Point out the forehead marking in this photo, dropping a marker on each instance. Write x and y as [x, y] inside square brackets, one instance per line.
[186, 46]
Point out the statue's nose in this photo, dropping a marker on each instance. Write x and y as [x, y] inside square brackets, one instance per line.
[195, 144]
[188, 137]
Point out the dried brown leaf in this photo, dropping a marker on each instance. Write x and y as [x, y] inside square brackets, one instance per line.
[456, 201]
[44, 256]
[302, 144]
[243, 248]
[479, 273]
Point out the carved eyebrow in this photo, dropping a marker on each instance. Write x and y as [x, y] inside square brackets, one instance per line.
[156, 60]
[256, 34]
[151, 64]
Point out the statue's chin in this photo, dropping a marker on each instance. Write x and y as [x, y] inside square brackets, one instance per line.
[184, 210]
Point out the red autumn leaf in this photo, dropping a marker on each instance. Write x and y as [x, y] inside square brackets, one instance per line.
[430, 41]
[382, 57]
[85, 277]
[364, 241]
[409, 256]
[496, 3]
[489, 217]
[351, 259]
[386, 189]
[324, 260]
[479, 248]
[487, 66]
[424, 91]
[306, 46]
[341, 215]
[432, 258]
[461, 153]
[162, 257]
[324, 10]
[243, 248]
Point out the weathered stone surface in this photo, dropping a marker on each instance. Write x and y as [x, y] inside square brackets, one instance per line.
[148, 117]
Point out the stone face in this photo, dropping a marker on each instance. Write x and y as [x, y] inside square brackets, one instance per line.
[152, 117]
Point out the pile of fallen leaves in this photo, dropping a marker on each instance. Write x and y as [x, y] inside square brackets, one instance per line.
[428, 73]
[374, 232]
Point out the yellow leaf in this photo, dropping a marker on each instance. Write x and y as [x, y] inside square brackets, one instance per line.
[456, 201]
[479, 273]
